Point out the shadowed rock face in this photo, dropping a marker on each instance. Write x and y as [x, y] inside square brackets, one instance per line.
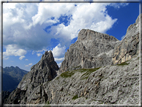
[92, 49]
[43, 71]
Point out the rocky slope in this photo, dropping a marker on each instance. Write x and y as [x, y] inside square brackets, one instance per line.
[89, 75]
[118, 84]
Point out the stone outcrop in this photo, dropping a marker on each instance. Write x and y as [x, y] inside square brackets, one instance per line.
[92, 49]
[43, 71]
[129, 46]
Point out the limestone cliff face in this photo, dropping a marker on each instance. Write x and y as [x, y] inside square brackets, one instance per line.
[43, 71]
[92, 49]
[129, 46]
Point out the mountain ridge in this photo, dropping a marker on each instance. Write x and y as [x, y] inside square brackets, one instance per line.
[11, 77]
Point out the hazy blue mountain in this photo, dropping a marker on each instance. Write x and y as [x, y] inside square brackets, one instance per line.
[11, 77]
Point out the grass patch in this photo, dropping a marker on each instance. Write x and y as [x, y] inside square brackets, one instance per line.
[57, 78]
[47, 104]
[77, 67]
[82, 70]
[123, 63]
[67, 74]
[75, 97]
[85, 75]
[87, 72]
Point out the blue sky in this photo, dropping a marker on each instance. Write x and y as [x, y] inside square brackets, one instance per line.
[29, 29]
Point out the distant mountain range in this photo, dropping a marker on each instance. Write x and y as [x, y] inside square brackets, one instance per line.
[11, 77]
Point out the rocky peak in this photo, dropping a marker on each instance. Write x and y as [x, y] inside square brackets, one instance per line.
[48, 55]
[92, 49]
[43, 71]
[87, 34]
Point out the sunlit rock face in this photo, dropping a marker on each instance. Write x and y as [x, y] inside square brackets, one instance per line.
[91, 50]
[129, 46]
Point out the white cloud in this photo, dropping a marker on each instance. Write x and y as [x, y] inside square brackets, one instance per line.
[58, 51]
[13, 50]
[21, 57]
[118, 5]
[5, 58]
[26, 59]
[59, 64]
[39, 54]
[122, 37]
[59, 59]
[28, 65]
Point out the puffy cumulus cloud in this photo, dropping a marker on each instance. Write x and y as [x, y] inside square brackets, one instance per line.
[13, 50]
[21, 57]
[53, 10]
[16, 21]
[58, 51]
[28, 65]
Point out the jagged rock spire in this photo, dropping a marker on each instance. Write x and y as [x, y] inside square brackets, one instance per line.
[43, 71]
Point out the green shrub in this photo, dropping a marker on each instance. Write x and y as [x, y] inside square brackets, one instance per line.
[75, 97]
[47, 104]
[57, 78]
[123, 63]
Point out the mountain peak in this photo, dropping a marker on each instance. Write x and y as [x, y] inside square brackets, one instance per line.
[48, 55]
[88, 51]
[87, 34]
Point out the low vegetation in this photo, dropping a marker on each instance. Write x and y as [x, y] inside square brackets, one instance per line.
[47, 104]
[67, 74]
[123, 63]
[87, 72]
